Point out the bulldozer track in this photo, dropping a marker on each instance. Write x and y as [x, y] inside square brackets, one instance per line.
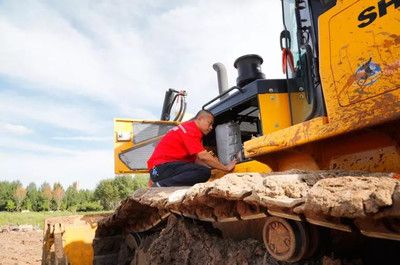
[346, 201]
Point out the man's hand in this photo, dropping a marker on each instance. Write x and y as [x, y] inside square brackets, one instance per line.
[231, 165]
[213, 162]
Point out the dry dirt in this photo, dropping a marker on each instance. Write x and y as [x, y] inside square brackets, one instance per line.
[186, 242]
[20, 247]
[183, 243]
[352, 197]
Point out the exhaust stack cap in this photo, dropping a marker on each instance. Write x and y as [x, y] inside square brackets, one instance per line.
[222, 78]
[249, 69]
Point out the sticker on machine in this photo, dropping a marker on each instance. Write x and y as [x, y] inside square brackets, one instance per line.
[367, 74]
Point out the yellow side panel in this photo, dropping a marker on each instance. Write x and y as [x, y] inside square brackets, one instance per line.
[294, 135]
[122, 127]
[300, 108]
[78, 244]
[365, 61]
[274, 111]
[77, 233]
[360, 61]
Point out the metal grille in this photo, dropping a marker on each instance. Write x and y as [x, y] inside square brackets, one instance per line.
[248, 127]
[136, 157]
[144, 131]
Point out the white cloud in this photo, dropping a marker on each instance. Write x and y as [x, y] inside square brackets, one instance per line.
[14, 129]
[117, 53]
[202, 34]
[83, 138]
[62, 115]
[50, 53]
[25, 145]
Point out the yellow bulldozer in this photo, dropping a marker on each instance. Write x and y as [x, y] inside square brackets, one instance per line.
[319, 155]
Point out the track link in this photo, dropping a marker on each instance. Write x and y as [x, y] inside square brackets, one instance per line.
[369, 203]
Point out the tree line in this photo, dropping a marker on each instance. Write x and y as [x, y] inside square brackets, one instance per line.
[106, 196]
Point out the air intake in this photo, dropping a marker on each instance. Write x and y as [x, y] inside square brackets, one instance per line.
[249, 69]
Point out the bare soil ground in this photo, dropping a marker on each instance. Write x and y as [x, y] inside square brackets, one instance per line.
[20, 247]
[184, 243]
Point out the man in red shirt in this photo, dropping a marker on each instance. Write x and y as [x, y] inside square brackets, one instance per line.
[180, 158]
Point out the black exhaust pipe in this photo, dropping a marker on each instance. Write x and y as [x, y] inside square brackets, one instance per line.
[249, 69]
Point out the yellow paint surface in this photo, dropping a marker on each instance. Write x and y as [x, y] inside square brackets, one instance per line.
[77, 241]
[274, 111]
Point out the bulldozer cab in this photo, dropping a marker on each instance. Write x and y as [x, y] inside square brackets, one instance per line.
[299, 45]
[134, 142]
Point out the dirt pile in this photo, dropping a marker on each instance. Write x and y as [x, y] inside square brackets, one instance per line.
[182, 242]
[351, 197]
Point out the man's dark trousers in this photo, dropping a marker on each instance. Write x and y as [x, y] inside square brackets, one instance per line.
[179, 174]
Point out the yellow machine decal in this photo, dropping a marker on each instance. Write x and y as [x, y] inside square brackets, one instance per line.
[365, 61]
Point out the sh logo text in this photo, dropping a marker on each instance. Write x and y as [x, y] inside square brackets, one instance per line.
[368, 15]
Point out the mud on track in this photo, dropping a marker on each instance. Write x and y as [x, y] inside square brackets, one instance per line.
[184, 241]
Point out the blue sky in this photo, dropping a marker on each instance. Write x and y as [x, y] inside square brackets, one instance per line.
[67, 68]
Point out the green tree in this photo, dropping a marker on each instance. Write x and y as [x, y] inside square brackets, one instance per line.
[107, 194]
[89, 206]
[46, 195]
[19, 196]
[71, 198]
[5, 194]
[141, 180]
[88, 202]
[10, 206]
[110, 191]
[125, 186]
[58, 195]
[128, 184]
[7, 190]
[32, 201]
[27, 204]
[85, 195]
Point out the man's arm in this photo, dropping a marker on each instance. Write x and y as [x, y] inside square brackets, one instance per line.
[206, 158]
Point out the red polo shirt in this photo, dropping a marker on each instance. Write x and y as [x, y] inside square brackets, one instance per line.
[181, 143]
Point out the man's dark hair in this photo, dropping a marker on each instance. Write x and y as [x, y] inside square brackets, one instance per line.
[203, 112]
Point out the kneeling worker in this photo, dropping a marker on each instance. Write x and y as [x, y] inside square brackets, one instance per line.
[180, 159]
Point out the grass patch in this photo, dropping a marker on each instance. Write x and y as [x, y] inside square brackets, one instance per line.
[33, 218]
